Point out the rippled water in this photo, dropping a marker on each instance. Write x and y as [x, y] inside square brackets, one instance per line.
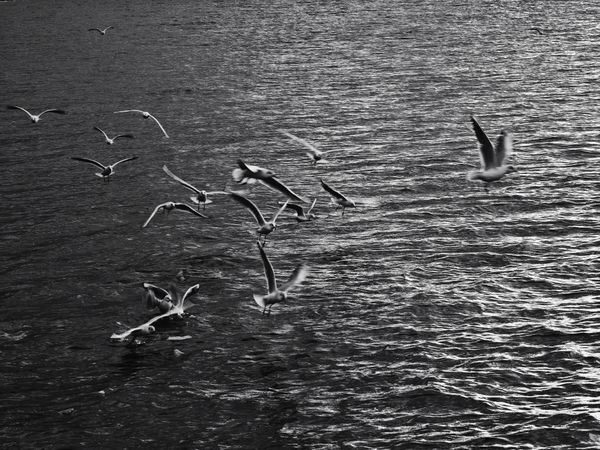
[436, 315]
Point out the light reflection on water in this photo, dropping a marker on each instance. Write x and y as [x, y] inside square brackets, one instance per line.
[436, 315]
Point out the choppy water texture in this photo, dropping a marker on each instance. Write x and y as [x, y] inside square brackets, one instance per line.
[436, 315]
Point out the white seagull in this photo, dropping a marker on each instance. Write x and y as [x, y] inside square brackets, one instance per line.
[169, 206]
[110, 141]
[493, 160]
[107, 171]
[302, 216]
[146, 115]
[250, 174]
[157, 297]
[102, 32]
[181, 305]
[338, 197]
[201, 197]
[313, 152]
[264, 227]
[274, 294]
[36, 118]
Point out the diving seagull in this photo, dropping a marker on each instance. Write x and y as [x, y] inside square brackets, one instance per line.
[264, 227]
[106, 171]
[110, 141]
[338, 197]
[201, 197]
[493, 160]
[36, 118]
[302, 216]
[249, 174]
[277, 295]
[179, 307]
[169, 206]
[313, 152]
[157, 297]
[146, 115]
[102, 32]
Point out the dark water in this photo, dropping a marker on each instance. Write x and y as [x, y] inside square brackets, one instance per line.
[435, 315]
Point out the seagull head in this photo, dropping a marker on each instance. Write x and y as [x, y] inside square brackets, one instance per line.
[511, 169]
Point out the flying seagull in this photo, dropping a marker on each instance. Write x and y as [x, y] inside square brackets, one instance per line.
[274, 294]
[250, 174]
[313, 152]
[110, 141]
[180, 306]
[146, 115]
[36, 118]
[264, 227]
[102, 32]
[201, 197]
[169, 206]
[302, 216]
[106, 171]
[493, 160]
[338, 197]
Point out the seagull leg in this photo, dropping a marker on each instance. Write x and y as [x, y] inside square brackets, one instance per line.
[343, 210]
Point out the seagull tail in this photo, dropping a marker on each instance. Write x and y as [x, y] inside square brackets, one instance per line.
[473, 175]
[260, 300]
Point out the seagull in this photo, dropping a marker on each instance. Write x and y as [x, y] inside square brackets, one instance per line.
[107, 171]
[157, 297]
[338, 197]
[276, 295]
[201, 197]
[264, 227]
[169, 206]
[102, 32]
[110, 141]
[493, 160]
[146, 115]
[538, 30]
[313, 153]
[301, 216]
[179, 308]
[250, 174]
[34, 118]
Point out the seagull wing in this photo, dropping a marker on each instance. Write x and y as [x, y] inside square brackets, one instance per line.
[128, 135]
[158, 291]
[21, 109]
[191, 291]
[129, 110]
[313, 150]
[251, 206]
[161, 127]
[108, 28]
[102, 131]
[274, 183]
[94, 162]
[298, 276]
[179, 180]
[296, 208]
[486, 149]
[95, 29]
[52, 110]
[279, 212]
[125, 160]
[269, 273]
[311, 206]
[333, 192]
[503, 148]
[158, 208]
[188, 208]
